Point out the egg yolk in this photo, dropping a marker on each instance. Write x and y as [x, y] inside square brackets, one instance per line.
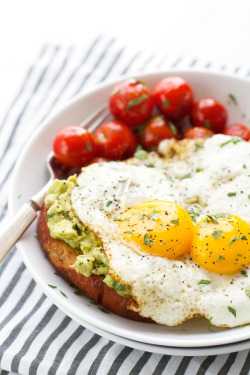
[157, 228]
[221, 243]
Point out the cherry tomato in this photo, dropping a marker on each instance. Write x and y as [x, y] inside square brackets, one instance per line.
[115, 141]
[238, 130]
[209, 113]
[155, 130]
[131, 102]
[174, 97]
[198, 132]
[74, 146]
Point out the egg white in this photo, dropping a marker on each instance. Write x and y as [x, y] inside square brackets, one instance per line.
[198, 178]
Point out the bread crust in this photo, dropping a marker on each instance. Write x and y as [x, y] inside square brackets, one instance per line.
[62, 256]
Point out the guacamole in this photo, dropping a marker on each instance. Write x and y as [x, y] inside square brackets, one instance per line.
[64, 225]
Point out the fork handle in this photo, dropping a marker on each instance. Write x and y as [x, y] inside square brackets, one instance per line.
[13, 230]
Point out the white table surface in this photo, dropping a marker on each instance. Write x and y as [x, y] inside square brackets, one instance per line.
[215, 29]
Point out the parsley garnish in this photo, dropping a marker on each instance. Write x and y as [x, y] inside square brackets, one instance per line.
[244, 273]
[52, 286]
[175, 221]
[50, 215]
[198, 145]
[232, 97]
[63, 294]
[188, 175]
[193, 214]
[234, 238]
[199, 170]
[147, 240]
[89, 148]
[207, 124]
[221, 257]
[232, 310]
[247, 291]
[108, 203]
[141, 154]
[232, 194]
[136, 101]
[234, 140]
[216, 234]
[165, 103]
[103, 310]
[204, 282]
[123, 180]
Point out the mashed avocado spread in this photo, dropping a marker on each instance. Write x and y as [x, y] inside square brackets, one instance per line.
[65, 226]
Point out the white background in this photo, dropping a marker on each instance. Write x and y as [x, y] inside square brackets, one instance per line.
[215, 30]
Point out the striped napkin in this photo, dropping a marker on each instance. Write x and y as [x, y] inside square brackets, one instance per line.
[35, 336]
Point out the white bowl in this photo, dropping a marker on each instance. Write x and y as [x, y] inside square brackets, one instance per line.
[30, 175]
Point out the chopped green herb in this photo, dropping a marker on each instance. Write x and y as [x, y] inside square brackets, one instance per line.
[234, 238]
[119, 91]
[123, 180]
[243, 238]
[125, 219]
[232, 194]
[52, 286]
[232, 310]
[244, 273]
[147, 240]
[89, 148]
[165, 103]
[193, 214]
[136, 101]
[63, 294]
[244, 166]
[188, 175]
[155, 215]
[168, 177]
[232, 97]
[173, 128]
[198, 145]
[103, 310]
[234, 140]
[221, 257]
[77, 292]
[50, 215]
[216, 234]
[199, 170]
[108, 203]
[221, 214]
[204, 282]
[248, 196]
[247, 291]
[141, 154]
[207, 124]
[141, 217]
[128, 231]
[175, 221]
[212, 219]
[150, 166]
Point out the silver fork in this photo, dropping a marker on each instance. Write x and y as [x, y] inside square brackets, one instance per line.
[11, 232]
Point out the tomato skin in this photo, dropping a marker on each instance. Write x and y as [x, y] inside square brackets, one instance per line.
[238, 130]
[131, 102]
[155, 130]
[198, 132]
[74, 146]
[174, 97]
[209, 113]
[115, 141]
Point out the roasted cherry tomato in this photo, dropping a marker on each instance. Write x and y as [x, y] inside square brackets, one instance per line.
[115, 141]
[174, 97]
[198, 132]
[238, 130]
[209, 113]
[131, 102]
[155, 130]
[74, 146]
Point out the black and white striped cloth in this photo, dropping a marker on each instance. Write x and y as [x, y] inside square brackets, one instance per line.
[35, 336]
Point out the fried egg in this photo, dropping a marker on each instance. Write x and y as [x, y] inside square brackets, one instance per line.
[176, 228]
